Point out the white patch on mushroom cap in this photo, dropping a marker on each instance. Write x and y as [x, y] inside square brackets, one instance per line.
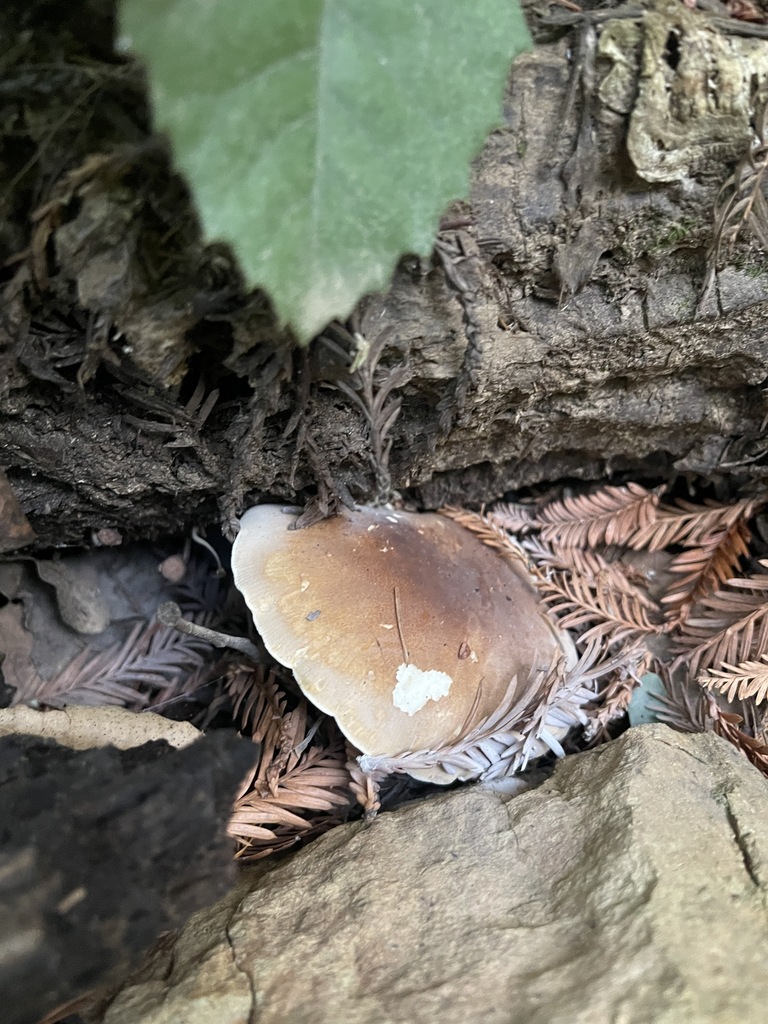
[415, 687]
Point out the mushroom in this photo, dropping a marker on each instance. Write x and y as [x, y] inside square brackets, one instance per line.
[403, 626]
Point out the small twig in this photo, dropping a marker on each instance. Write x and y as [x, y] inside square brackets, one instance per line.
[566, 18]
[406, 659]
[733, 26]
[170, 615]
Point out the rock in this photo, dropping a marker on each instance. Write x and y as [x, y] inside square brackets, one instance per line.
[83, 728]
[628, 887]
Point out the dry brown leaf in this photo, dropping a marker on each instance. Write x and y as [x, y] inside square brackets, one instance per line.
[704, 568]
[747, 680]
[732, 628]
[301, 785]
[610, 515]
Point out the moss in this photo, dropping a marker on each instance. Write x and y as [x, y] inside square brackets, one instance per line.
[759, 269]
[674, 234]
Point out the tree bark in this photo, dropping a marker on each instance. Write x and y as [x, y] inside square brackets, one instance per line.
[104, 850]
[575, 320]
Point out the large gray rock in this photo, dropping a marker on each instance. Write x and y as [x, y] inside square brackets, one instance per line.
[628, 888]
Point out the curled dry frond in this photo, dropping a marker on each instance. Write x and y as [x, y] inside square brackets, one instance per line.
[592, 567]
[365, 786]
[631, 516]
[153, 665]
[690, 709]
[475, 749]
[732, 629]
[487, 531]
[684, 706]
[692, 525]
[603, 603]
[718, 625]
[727, 723]
[569, 699]
[703, 568]
[514, 517]
[615, 700]
[614, 697]
[372, 388]
[611, 515]
[748, 679]
[300, 785]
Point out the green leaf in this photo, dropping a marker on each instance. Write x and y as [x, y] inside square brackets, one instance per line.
[323, 138]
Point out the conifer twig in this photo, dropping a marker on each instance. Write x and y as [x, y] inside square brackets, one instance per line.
[170, 615]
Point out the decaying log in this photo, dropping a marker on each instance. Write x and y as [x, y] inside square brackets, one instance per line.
[577, 318]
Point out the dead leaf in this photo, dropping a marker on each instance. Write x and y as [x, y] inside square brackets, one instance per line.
[81, 602]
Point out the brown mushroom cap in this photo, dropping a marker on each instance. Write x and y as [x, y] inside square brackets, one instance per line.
[391, 621]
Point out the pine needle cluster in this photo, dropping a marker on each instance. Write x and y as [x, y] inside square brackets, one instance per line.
[701, 622]
[301, 785]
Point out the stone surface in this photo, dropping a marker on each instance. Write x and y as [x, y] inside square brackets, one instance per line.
[83, 728]
[630, 887]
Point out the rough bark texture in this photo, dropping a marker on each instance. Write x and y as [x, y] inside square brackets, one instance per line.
[102, 850]
[562, 330]
[628, 887]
